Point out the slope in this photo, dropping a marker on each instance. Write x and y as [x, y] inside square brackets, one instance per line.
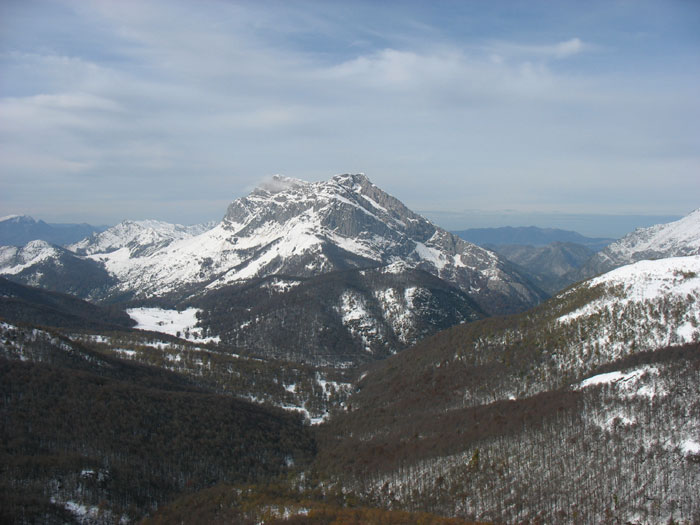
[493, 420]
[86, 431]
[344, 317]
[673, 239]
[39, 263]
[553, 266]
[30, 305]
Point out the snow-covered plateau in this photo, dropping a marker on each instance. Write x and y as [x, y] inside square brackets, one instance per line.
[181, 323]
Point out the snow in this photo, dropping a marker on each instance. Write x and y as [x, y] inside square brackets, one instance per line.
[432, 255]
[681, 237]
[128, 353]
[170, 322]
[137, 236]
[279, 285]
[641, 281]
[638, 382]
[690, 447]
[34, 252]
[617, 377]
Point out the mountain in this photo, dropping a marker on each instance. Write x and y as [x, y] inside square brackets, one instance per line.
[39, 263]
[640, 307]
[572, 411]
[339, 317]
[89, 438]
[141, 238]
[529, 235]
[301, 229]
[18, 230]
[340, 261]
[673, 239]
[29, 305]
[553, 266]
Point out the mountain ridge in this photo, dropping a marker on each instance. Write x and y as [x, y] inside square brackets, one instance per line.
[18, 230]
[529, 235]
[672, 239]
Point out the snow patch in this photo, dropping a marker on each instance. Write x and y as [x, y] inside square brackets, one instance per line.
[690, 447]
[173, 322]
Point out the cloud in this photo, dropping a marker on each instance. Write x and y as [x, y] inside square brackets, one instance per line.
[206, 98]
[538, 52]
[568, 48]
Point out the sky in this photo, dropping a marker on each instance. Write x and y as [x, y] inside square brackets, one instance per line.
[467, 111]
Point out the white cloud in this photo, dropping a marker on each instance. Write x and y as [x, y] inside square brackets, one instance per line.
[557, 50]
[568, 48]
[224, 93]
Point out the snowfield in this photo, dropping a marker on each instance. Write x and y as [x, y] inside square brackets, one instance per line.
[643, 281]
[173, 322]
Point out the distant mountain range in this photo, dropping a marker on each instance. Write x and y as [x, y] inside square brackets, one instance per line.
[553, 266]
[529, 235]
[18, 230]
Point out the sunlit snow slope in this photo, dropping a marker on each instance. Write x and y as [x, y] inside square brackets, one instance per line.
[673, 239]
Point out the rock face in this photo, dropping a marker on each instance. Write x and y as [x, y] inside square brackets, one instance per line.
[674, 239]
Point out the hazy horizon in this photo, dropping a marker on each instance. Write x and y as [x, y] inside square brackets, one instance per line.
[589, 225]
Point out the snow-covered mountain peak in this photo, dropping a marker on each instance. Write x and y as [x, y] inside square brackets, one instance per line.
[140, 237]
[300, 229]
[15, 259]
[17, 218]
[673, 239]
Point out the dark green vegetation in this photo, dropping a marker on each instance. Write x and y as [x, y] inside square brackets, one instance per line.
[124, 437]
[26, 304]
[486, 421]
[220, 369]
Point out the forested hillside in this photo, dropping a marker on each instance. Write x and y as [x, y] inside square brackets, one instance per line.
[84, 430]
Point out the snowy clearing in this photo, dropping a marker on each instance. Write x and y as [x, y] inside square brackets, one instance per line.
[173, 322]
